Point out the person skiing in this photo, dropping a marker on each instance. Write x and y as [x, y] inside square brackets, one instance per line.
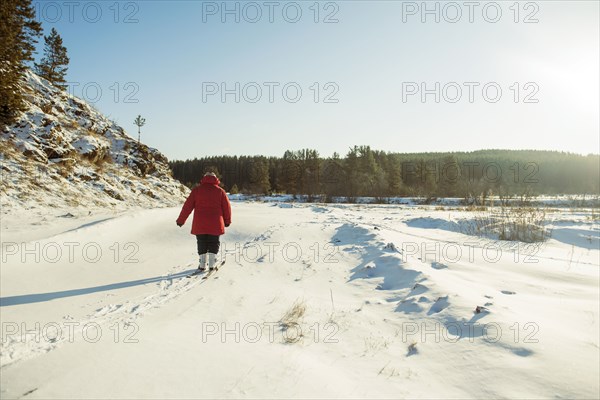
[212, 214]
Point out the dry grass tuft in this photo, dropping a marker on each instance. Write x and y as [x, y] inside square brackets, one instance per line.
[291, 320]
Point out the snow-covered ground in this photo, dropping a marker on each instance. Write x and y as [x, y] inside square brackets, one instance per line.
[377, 301]
[536, 201]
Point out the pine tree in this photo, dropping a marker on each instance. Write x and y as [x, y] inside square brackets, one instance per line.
[18, 34]
[449, 175]
[311, 177]
[333, 176]
[53, 65]
[259, 175]
[351, 166]
[291, 172]
[139, 122]
[394, 176]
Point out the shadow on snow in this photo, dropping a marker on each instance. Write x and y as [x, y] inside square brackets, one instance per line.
[42, 297]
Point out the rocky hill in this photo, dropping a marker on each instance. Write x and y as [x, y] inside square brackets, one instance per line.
[64, 153]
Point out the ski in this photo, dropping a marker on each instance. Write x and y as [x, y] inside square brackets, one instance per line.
[195, 273]
[212, 271]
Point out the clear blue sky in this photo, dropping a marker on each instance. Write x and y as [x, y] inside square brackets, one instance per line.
[173, 53]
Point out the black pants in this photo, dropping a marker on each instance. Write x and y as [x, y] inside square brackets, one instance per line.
[208, 244]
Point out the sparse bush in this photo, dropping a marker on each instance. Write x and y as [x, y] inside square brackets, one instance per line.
[291, 319]
[46, 107]
[522, 223]
[70, 124]
[92, 132]
[114, 194]
[71, 202]
[148, 193]
[101, 163]
[293, 315]
[66, 166]
[8, 150]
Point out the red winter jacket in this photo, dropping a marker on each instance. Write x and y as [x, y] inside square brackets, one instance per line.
[212, 210]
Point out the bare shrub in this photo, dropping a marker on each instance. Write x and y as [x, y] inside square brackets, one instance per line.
[291, 319]
[521, 222]
[46, 108]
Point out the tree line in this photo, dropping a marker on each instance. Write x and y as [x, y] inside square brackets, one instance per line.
[367, 172]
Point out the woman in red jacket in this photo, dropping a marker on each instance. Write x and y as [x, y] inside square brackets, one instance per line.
[212, 213]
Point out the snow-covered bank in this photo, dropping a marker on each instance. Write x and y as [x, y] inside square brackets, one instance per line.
[550, 201]
[63, 153]
[387, 300]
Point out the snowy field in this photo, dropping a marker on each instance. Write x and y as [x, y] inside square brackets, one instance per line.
[328, 301]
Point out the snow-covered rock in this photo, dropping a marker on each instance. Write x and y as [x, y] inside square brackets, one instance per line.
[64, 153]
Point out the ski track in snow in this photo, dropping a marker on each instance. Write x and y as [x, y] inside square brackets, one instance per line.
[174, 284]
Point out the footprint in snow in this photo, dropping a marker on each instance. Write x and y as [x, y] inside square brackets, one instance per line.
[107, 309]
[165, 284]
[508, 292]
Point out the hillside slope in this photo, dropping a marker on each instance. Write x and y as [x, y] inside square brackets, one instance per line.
[63, 153]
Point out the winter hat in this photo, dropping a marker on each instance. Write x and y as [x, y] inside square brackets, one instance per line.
[210, 174]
